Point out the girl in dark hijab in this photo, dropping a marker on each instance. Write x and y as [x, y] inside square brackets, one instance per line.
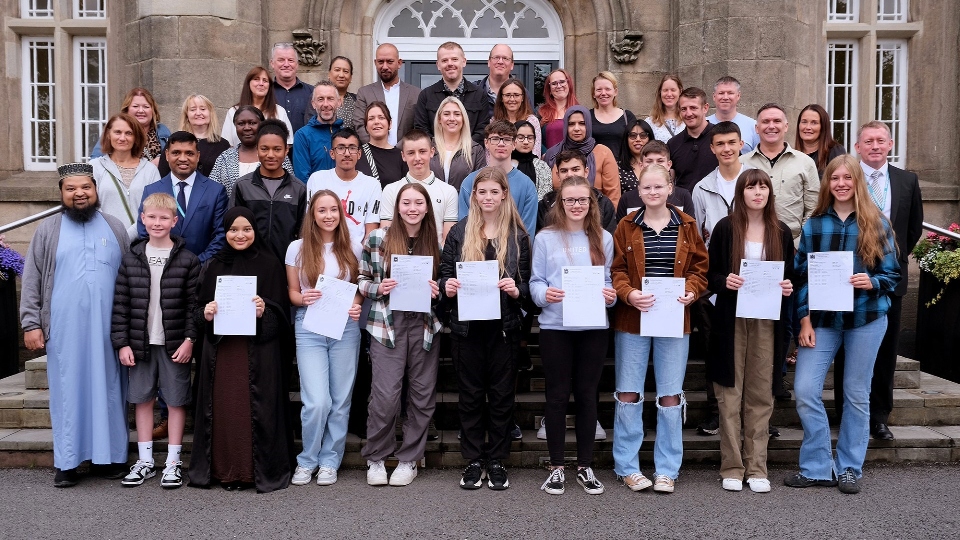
[241, 435]
[525, 157]
[602, 170]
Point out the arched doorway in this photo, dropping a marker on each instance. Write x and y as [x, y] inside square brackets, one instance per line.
[417, 27]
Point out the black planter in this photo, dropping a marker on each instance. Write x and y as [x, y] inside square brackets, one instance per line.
[938, 328]
[9, 328]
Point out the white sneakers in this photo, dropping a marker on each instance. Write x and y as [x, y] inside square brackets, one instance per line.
[326, 476]
[302, 476]
[732, 484]
[405, 472]
[376, 473]
[759, 485]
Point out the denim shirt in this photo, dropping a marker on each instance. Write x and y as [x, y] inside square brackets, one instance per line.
[827, 232]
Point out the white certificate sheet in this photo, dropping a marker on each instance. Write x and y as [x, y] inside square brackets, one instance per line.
[328, 316]
[583, 303]
[665, 318]
[236, 313]
[828, 280]
[760, 295]
[478, 298]
[413, 274]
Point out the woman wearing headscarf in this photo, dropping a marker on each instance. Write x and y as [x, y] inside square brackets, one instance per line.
[525, 158]
[241, 437]
[602, 170]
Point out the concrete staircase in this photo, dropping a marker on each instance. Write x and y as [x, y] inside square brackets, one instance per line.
[925, 420]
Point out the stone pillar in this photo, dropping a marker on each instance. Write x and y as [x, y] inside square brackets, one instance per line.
[176, 48]
[772, 49]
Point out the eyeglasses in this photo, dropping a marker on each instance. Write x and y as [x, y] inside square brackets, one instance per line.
[558, 84]
[582, 201]
[512, 96]
[634, 136]
[501, 59]
[526, 138]
[344, 150]
[500, 140]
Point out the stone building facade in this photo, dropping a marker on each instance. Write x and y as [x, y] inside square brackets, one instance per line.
[72, 61]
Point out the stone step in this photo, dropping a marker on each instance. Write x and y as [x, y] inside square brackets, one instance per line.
[34, 447]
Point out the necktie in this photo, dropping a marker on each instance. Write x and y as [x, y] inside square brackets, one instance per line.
[876, 189]
[182, 197]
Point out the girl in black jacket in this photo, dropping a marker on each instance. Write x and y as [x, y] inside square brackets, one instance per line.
[740, 362]
[484, 351]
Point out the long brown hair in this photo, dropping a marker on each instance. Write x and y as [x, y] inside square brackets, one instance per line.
[508, 223]
[772, 238]
[500, 108]
[871, 239]
[591, 223]
[549, 110]
[659, 113]
[269, 107]
[825, 141]
[310, 258]
[395, 240]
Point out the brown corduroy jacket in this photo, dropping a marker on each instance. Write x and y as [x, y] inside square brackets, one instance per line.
[628, 267]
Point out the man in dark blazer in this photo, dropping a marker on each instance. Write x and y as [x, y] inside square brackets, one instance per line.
[201, 202]
[897, 193]
[450, 62]
[401, 105]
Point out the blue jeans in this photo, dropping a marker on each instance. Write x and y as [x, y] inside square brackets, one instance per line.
[669, 368]
[861, 345]
[327, 368]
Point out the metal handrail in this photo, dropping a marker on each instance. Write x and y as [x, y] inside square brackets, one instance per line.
[943, 232]
[28, 220]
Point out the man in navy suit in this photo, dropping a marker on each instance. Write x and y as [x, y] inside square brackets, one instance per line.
[201, 202]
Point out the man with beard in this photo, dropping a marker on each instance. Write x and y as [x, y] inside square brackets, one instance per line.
[66, 306]
[400, 97]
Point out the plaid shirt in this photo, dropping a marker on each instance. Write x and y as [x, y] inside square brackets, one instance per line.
[380, 320]
[828, 233]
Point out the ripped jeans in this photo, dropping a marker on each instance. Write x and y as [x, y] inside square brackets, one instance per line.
[669, 368]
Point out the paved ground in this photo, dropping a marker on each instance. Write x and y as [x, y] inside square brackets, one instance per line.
[897, 502]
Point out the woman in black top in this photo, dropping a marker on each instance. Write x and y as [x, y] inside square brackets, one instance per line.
[378, 158]
[197, 116]
[814, 137]
[609, 121]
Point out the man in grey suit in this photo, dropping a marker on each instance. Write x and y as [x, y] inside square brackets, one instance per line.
[400, 97]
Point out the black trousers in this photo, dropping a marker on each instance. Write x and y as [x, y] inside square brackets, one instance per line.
[572, 362]
[881, 388]
[485, 362]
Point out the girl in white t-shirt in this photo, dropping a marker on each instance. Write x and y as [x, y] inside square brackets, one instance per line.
[327, 366]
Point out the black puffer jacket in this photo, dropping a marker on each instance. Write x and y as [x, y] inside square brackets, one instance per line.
[178, 298]
[518, 268]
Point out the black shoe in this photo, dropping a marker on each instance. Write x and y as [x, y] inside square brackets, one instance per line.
[773, 431]
[432, 433]
[497, 476]
[783, 395]
[848, 482]
[515, 433]
[800, 481]
[881, 432]
[710, 427]
[113, 471]
[523, 360]
[473, 475]
[66, 478]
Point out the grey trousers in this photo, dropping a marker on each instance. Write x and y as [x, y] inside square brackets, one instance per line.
[389, 367]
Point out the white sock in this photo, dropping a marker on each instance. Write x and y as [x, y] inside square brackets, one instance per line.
[146, 451]
[173, 453]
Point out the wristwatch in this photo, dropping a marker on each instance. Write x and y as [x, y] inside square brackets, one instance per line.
[191, 340]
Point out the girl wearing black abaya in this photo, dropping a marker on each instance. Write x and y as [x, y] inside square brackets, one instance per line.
[241, 437]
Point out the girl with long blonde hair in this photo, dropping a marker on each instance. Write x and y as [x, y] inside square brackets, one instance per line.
[457, 154]
[485, 351]
[199, 116]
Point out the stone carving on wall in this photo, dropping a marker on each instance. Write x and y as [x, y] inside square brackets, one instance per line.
[308, 49]
[627, 49]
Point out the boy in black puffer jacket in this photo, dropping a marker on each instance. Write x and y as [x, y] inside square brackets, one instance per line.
[153, 329]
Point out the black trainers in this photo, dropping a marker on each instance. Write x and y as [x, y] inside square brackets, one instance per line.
[800, 481]
[515, 433]
[139, 473]
[66, 478]
[473, 475]
[709, 427]
[588, 481]
[497, 476]
[554, 482]
[848, 482]
[773, 431]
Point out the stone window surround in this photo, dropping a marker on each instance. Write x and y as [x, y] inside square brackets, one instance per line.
[63, 27]
[868, 35]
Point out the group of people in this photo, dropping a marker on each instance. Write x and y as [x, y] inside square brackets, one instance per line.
[122, 286]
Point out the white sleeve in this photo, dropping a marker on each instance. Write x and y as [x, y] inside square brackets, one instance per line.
[376, 193]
